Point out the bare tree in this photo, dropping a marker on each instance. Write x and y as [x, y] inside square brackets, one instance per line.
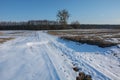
[75, 24]
[62, 16]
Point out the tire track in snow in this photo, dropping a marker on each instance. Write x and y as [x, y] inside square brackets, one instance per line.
[52, 69]
[82, 64]
[63, 69]
[38, 47]
[32, 61]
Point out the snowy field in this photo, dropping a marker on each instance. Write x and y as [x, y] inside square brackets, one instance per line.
[36, 55]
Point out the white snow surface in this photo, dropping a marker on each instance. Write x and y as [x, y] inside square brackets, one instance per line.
[40, 56]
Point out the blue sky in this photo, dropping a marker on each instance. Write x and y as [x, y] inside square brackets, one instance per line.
[85, 11]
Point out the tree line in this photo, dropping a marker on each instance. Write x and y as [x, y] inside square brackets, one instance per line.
[62, 19]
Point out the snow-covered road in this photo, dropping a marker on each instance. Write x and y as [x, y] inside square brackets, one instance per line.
[35, 55]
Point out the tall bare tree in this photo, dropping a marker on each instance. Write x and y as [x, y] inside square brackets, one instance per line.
[75, 24]
[62, 16]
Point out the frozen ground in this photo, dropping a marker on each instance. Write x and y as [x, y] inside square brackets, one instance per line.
[35, 55]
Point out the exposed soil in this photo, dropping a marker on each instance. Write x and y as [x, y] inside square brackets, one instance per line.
[83, 76]
[76, 69]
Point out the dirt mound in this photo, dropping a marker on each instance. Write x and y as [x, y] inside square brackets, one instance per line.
[83, 76]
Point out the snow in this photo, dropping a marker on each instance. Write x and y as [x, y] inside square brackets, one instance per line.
[36, 43]
[79, 47]
[36, 55]
[31, 58]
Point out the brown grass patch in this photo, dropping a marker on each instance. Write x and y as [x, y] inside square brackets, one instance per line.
[2, 40]
[97, 37]
[90, 40]
[1, 33]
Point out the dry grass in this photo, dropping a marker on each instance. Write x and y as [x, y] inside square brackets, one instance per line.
[1, 33]
[2, 40]
[90, 36]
